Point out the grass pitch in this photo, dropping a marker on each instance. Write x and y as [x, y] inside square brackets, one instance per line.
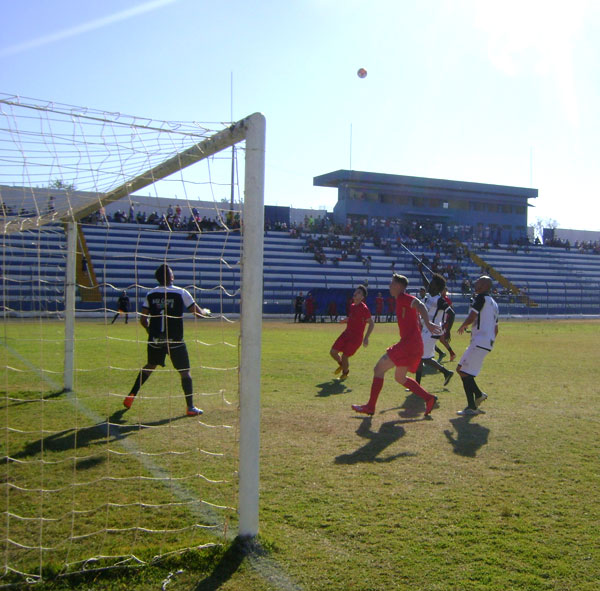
[505, 500]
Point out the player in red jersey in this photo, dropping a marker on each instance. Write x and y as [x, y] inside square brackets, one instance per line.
[351, 339]
[405, 355]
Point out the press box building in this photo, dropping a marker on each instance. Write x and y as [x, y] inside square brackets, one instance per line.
[494, 212]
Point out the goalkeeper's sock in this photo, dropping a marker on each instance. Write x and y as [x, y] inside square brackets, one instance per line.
[139, 382]
[416, 388]
[376, 387]
[188, 390]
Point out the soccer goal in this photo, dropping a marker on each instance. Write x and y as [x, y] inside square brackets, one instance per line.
[91, 204]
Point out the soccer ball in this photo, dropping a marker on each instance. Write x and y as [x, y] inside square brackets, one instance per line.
[362, 73]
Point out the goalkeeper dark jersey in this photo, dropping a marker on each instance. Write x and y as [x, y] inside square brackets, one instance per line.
[165, 307]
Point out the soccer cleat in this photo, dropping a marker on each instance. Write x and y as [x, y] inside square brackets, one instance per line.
[344, 375]
[363, 408]
[441, 356]
[481, 398]
[468, 412]
[430, 404]
[193, 411]
[128, 401]
[338, 370]
[448, 377]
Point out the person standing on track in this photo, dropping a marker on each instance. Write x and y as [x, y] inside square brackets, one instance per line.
[122, 307]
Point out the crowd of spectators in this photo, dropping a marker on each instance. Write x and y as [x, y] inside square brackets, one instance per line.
[346, 248]
[584, 246]
[348, 242]
[171, 220]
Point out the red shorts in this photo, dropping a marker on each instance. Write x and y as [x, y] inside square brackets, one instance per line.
[347, 344]
[406, 354]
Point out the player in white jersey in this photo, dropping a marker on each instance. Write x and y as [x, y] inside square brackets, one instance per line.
[436, 308]
[483, 316]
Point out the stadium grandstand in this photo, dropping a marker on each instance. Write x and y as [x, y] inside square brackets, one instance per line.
[381, 224]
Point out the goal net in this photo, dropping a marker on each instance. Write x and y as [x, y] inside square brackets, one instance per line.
[91, 204]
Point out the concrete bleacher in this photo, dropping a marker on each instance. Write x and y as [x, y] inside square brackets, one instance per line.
[125, 256]
[33, 272]
[558, 281]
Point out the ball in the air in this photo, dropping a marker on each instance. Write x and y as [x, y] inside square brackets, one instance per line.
[362, 73]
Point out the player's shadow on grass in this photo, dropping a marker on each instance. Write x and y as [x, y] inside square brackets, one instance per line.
[388, 434]
[101, 433]
[470, 437]
[35, 397]
[412, 407]
[332, 388]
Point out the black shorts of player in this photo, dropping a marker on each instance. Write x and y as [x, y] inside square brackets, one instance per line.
[178, 353]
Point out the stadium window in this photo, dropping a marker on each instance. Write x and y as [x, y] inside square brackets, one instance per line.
[418, 202]
[445, 205]
[460, 204]
[506, 208]
[520, 209]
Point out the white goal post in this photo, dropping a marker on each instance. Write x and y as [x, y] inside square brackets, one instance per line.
[40, 148]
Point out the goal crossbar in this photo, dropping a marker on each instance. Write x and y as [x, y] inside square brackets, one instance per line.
[220, 141]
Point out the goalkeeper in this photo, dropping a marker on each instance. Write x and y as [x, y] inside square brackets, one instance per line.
[162, 317]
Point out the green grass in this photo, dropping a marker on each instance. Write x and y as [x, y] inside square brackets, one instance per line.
[502, 501]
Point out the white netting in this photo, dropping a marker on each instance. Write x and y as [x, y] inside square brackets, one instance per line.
[87, 483]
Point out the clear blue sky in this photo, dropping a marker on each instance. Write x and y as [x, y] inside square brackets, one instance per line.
[502, 93]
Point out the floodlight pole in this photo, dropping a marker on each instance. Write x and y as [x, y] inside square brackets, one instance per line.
[251, 325]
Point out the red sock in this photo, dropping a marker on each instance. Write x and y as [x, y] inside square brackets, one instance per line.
[375, 389]
[415, 388]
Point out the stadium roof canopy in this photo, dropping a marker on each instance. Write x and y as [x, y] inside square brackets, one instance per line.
[420, 186]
